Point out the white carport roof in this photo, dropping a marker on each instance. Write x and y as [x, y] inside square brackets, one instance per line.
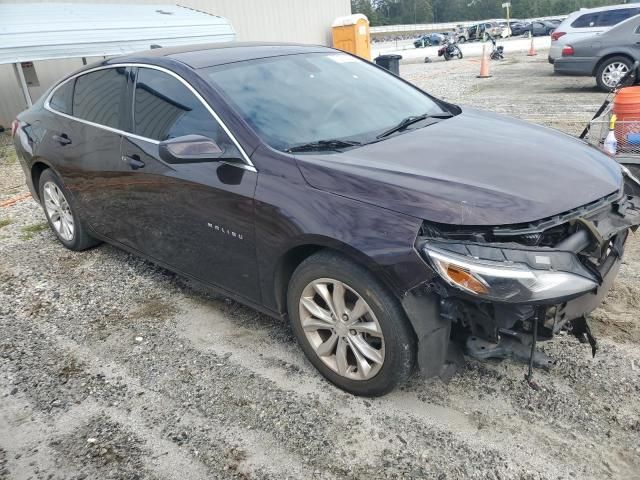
[43, 31]
[48, 31]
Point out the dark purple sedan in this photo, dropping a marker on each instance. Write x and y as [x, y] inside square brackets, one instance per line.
[390, 227]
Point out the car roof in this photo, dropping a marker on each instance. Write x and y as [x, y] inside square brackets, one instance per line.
[585, 11]
[605, 8]
[212, 54]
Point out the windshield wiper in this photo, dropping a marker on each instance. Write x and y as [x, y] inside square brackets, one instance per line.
[322, 145]
[405, 122]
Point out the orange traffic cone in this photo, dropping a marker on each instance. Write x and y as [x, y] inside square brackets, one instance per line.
[532, 49]
[484, 64]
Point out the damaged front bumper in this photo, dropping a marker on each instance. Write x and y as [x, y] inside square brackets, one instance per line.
[493, 287]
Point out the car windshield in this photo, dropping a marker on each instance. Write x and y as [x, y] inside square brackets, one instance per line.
[294, 100]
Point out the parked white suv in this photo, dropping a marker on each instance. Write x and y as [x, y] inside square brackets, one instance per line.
[585, 22]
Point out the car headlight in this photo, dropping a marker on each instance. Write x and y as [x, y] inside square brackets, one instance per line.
[505, 281]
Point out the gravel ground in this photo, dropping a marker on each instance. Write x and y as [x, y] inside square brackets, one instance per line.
[113, 368]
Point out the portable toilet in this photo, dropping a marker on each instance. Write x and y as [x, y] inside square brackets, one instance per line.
[351, 34]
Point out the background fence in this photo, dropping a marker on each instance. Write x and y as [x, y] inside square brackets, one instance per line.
[435, 27]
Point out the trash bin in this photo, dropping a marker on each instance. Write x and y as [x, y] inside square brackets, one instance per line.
[390, 62]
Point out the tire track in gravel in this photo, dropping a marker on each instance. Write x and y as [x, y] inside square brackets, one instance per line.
[206, 328]
[233, 382]
[182, 427]
[254, 336]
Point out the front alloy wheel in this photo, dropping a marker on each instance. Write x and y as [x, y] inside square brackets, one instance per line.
[342, 329]
[349, 325]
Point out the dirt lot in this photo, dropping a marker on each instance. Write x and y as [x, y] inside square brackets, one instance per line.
[113, 368]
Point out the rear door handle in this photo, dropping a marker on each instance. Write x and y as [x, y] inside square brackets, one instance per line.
[62, 139]
[133, 161]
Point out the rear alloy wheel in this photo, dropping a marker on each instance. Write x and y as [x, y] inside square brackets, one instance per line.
[611, 72]
[349, 326]
[61, 214]
[58, 211]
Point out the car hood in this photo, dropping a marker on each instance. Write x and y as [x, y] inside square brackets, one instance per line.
[477, 168]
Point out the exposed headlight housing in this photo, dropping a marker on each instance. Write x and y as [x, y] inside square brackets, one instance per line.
[505, 281]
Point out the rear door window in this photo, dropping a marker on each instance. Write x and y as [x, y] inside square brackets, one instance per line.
[99, 96]
[62, 98]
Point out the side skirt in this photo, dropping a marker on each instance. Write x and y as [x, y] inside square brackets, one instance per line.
[216, 288]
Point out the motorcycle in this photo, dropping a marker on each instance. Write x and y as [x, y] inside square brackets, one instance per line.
[450, 50]
[497, 52]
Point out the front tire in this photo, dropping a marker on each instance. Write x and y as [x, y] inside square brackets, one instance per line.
[61, 213]
[610, 71]
[349, 326]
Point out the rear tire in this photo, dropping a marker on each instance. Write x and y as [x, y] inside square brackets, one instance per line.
[62, 213]
[608, 70]
[359, 320]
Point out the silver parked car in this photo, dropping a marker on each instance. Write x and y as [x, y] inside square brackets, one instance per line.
[608, 56]
[586, 23]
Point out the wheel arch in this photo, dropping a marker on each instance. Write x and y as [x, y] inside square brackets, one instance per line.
[37, 167]
[608, 56]
[290, 259]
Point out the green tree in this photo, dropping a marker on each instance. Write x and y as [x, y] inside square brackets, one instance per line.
[393, 12]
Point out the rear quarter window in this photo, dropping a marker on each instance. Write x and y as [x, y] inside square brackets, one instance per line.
[62, 98]
[585, 21]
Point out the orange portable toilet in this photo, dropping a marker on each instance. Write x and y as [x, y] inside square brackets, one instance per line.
[351, 34]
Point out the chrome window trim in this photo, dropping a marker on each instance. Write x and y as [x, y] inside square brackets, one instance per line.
[248, 165]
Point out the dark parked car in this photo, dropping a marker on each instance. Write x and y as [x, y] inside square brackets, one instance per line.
[541, 28]
[309, 184]
[429, 39]
[607, 56]
[519, 28]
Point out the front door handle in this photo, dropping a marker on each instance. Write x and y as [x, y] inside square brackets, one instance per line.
[133, 161]
[62, 139]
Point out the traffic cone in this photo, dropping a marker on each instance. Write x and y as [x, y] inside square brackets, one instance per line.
[532, 49]
[484, 64]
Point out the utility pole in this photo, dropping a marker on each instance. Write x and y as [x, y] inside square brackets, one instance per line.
[507, 5]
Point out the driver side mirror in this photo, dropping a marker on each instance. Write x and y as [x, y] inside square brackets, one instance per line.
[190, 149]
